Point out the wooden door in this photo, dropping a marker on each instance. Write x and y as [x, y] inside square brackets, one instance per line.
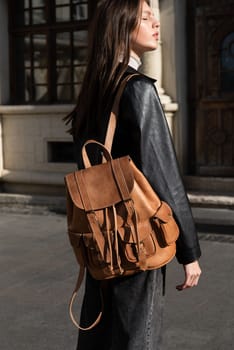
[211, 86]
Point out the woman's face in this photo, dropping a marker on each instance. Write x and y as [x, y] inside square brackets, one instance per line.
[145, 37]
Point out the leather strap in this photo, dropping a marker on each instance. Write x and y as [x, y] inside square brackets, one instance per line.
[114, 113]
[132, 217]
[97, 233]
[86, 161]
[78, 285]
[120, 180]
[110, 127]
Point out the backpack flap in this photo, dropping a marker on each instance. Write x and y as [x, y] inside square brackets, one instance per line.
[96, 188]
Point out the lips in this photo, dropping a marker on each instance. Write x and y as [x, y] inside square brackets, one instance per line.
[156, 35]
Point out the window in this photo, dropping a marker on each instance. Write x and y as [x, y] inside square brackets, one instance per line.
[227, 64]
[48, 45]
[60, 152]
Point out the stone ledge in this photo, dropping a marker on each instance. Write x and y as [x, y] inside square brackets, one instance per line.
[32, 203]
[210, 200]
[213, 216]
[35, 109]
[37, 177]
[212, 210]
[209, 185]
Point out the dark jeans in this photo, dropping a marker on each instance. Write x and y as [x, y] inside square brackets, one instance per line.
[133, 312]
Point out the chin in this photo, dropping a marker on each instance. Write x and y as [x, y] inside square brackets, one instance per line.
[152, 48]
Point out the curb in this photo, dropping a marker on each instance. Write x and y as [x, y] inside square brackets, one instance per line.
[30, 204]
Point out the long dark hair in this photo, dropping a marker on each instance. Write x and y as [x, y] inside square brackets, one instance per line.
[109, 51]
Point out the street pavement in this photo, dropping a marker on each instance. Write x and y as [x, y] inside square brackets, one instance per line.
[38, 272]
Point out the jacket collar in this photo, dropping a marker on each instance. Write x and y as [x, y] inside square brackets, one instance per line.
[131, 70]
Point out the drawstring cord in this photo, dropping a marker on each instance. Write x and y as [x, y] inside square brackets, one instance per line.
[109, 239]
[115, 241]
[112, 242]
[134, 228]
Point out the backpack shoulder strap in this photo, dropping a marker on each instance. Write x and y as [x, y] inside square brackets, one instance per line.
[114, 113]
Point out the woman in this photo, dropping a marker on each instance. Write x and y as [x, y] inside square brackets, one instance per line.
[123, 31]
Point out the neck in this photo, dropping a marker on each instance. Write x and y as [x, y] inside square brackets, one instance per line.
[134, 60]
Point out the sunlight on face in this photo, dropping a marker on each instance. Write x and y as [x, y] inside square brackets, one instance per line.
[145, 37]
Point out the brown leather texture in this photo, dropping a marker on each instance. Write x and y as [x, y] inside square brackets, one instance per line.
[117, 224]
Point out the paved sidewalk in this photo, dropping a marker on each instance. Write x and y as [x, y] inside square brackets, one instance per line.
[38, 272]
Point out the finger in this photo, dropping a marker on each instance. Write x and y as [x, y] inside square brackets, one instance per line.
[179, 287]
[187, 283]
[191, 281]
[196, 280]
[183, 287]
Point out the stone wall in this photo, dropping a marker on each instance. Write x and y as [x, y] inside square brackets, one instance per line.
[26, 131]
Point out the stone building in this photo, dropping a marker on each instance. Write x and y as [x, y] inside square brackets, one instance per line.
[43, 45]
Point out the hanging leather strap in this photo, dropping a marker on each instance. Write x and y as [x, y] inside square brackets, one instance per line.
[74, 294]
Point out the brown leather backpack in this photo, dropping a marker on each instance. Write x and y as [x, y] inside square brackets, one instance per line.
[117, 224]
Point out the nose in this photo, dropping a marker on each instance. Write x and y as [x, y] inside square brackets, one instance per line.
[156, 23]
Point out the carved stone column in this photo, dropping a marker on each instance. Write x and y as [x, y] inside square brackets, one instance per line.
[152, 66]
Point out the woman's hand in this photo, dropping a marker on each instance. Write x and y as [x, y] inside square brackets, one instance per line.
[192, 275]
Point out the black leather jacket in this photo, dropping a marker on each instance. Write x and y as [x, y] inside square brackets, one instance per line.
[142, 133]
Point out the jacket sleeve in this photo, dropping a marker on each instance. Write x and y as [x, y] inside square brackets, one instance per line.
[145, 136]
